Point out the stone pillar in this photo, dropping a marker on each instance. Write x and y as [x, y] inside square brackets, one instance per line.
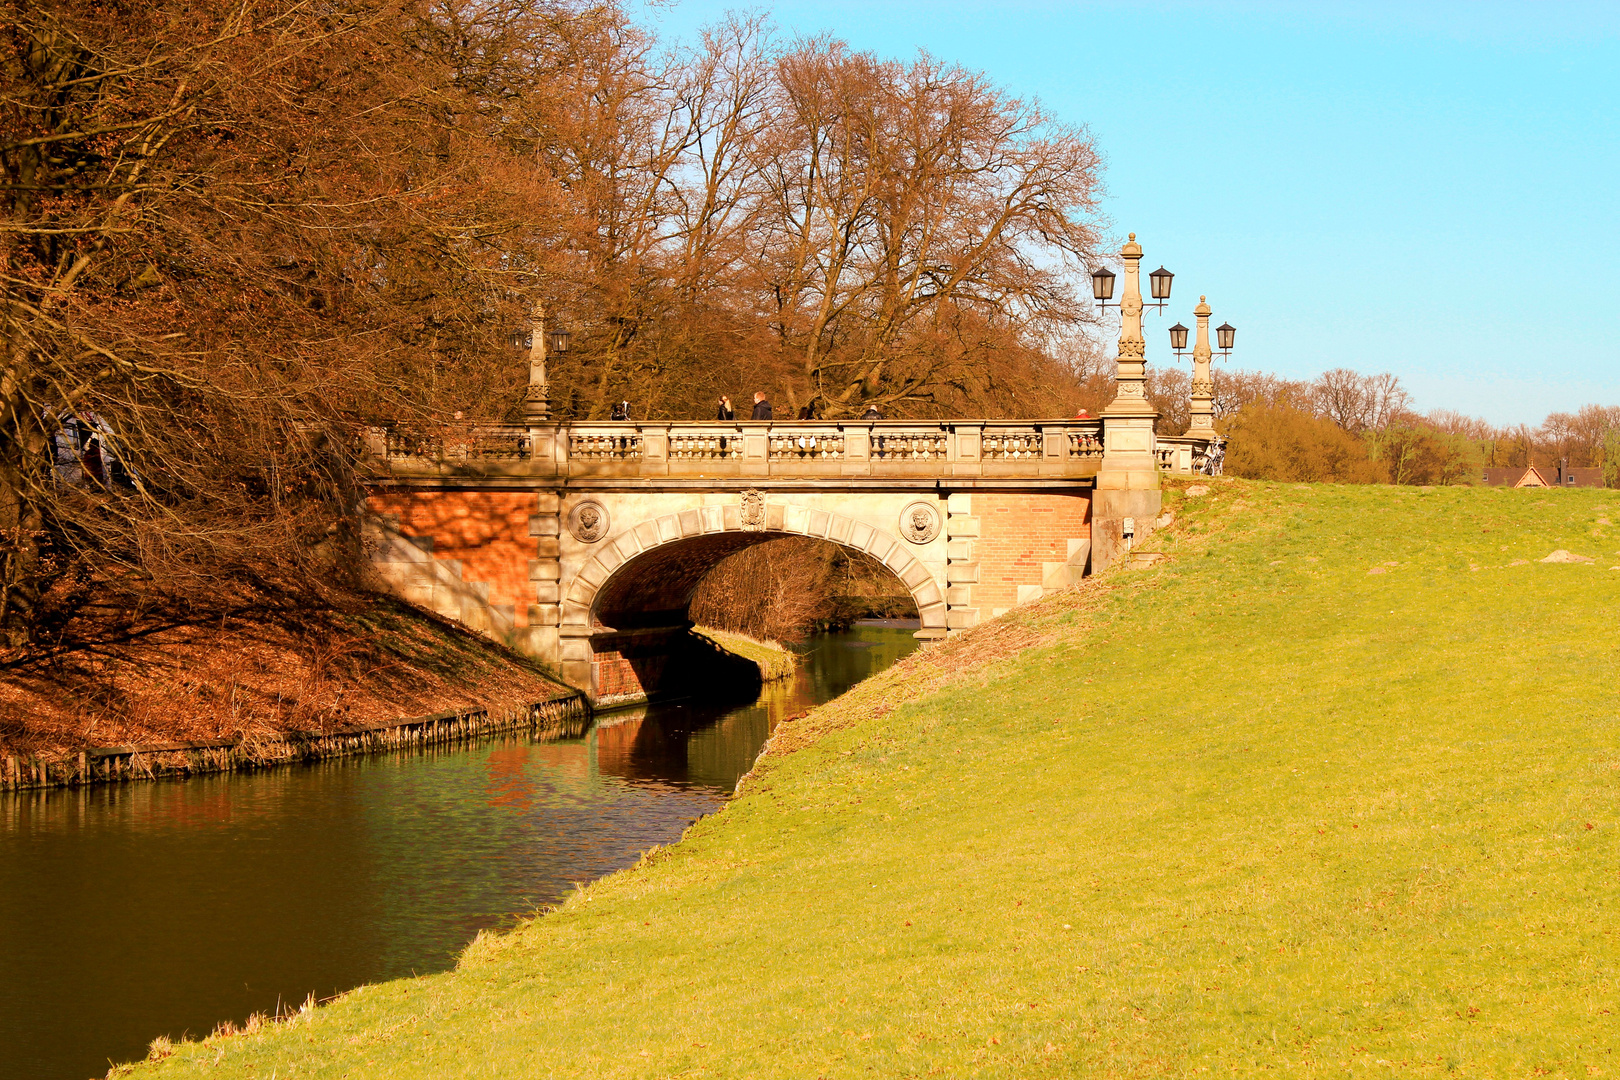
[537, 398]
[961, 562]
[1203, 387]
[541, 639]
[1128, 482]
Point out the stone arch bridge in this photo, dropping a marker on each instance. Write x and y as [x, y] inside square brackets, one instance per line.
[582, 544]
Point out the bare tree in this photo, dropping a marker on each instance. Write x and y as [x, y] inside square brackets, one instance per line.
[1237, 390]
[1578, 437]
[1387, 401]
[1341, 396]
[776, 590]
[235, 230]
[1169, 391]
[916, 219]
[1357, 402]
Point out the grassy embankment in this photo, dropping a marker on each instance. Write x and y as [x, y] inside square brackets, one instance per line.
[1334, 790]
[775, 660]
[255, 676]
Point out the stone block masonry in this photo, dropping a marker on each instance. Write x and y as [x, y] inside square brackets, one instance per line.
[555, 537]
[564, 574]
[629, 667]
[1006, 549]
[488, 533]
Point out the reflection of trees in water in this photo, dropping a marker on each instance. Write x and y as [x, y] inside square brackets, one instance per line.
[711, 745]
[683, 744]
[351, 870]
[859, 654]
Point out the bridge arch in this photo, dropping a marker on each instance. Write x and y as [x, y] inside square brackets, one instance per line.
[645, 575]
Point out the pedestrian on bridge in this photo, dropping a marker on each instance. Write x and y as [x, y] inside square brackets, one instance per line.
[762, 406]
[726, 411]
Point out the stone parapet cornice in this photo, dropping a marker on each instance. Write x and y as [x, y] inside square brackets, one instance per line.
[815, 452]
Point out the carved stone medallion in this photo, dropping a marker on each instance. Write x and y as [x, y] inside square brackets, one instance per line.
[919, 522]
[588, 521]
[753, 510]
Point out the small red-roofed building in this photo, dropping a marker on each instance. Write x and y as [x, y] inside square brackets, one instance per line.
[1543, 476]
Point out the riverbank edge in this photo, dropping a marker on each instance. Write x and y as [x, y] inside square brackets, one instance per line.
[774, 660]
[923, 673]
[599, 916]
[566, 715]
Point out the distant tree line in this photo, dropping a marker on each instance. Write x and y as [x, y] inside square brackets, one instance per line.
[1352, 428]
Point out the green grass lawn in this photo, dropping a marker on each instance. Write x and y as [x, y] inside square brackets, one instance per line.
[1256, 808]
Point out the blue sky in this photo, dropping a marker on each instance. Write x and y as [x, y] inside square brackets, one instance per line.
[1432, 191]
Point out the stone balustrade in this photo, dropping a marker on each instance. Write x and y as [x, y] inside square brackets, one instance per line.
[1070, 449]
[1057, 449]
[1184, 454]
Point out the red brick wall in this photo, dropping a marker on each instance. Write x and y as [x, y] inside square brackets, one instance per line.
[615, 675]
[624, 665]
[487, 531]
[1017, 533]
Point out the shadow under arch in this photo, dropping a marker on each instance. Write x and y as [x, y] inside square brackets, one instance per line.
[645, 576]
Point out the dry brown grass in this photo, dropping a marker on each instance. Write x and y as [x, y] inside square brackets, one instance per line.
[260, 678]
[774, 660]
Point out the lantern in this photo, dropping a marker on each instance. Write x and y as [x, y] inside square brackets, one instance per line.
[1102, 284]
[1178, 337]
[1159, 281]
[1224, 334]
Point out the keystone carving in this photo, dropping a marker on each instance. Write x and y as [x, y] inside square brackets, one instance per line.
[588, 521]
[919, 522]
[753, 510]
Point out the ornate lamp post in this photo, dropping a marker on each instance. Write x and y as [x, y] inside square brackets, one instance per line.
[1178, 339]
[537, 399]
[1203, 385]
[1129, 396]
[1127, 493]
[1102, 285]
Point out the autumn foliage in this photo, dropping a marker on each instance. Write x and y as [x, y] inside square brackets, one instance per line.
[1345, 427]
[238, 231]
[1278, 442]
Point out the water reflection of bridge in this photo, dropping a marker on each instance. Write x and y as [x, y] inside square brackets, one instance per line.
[710, 745]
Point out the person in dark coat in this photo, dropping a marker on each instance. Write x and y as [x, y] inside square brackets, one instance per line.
[762, 406]
[621, 411]
[871, 413]
[726, 412]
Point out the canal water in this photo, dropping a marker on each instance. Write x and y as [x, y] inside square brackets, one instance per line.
[146, 909]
